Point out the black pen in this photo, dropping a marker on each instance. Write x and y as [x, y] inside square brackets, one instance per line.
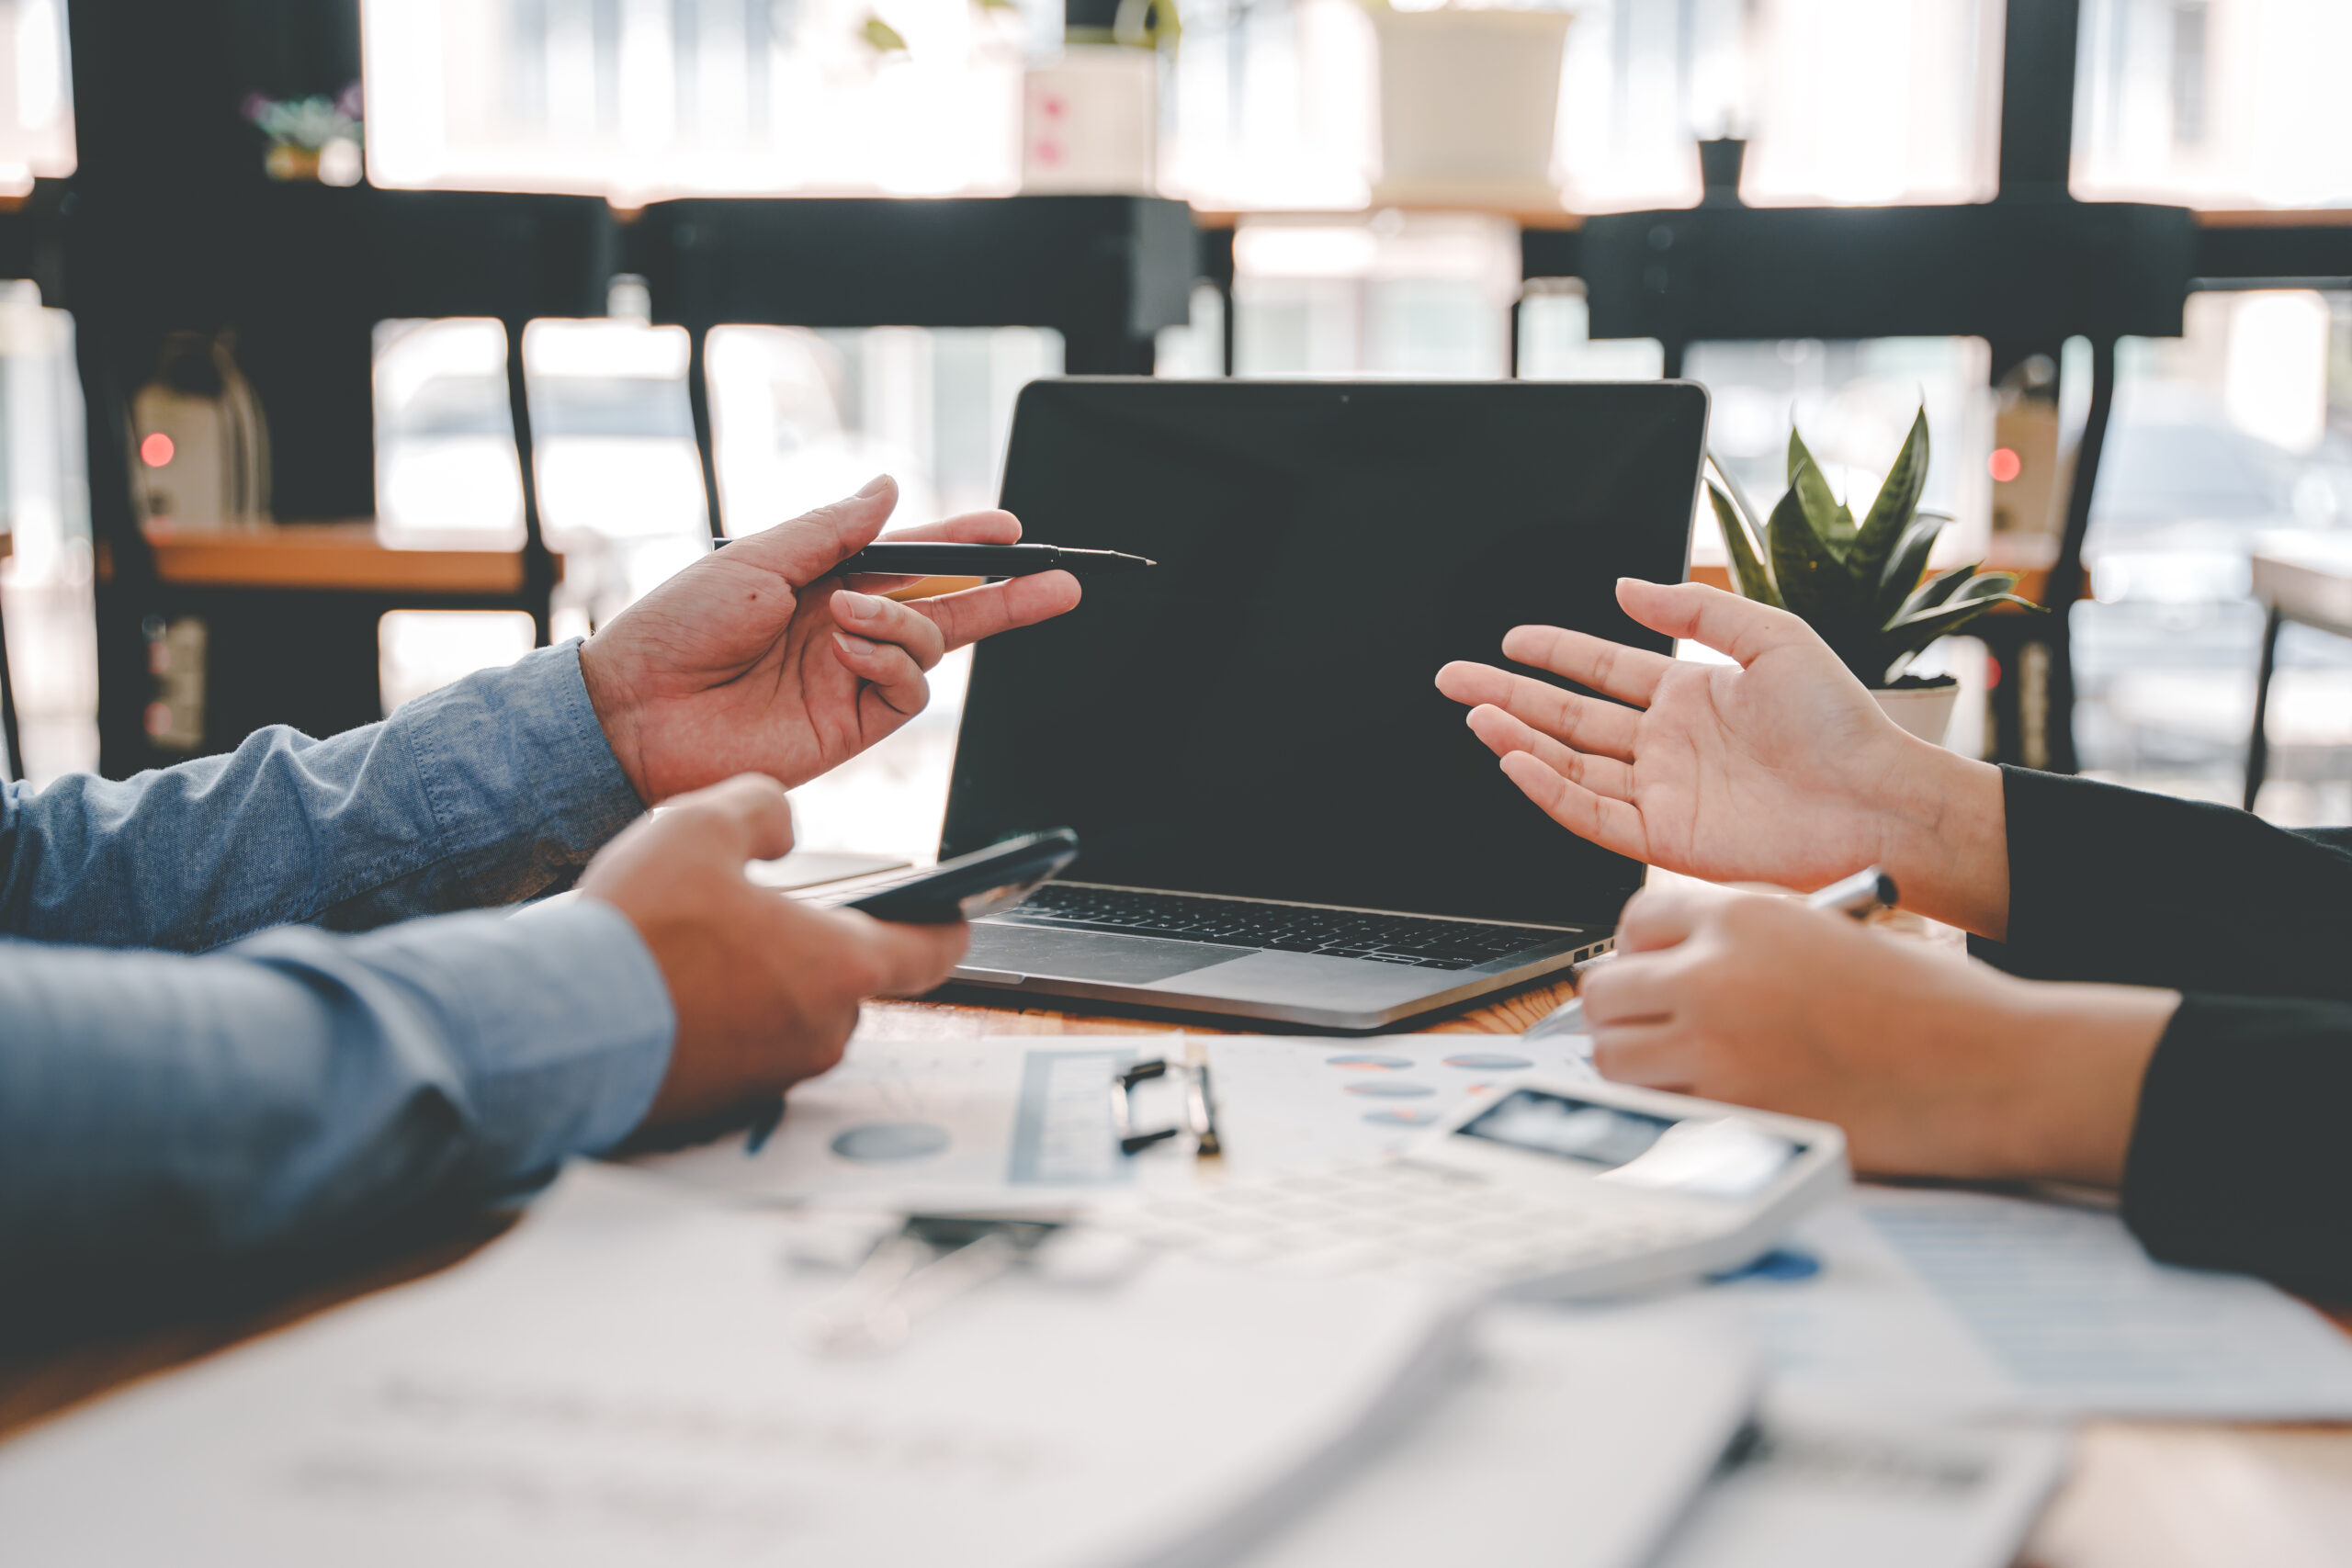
[1862, 895]
[921, 558]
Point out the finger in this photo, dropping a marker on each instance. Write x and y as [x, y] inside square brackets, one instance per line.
[908, 960]
[1724, 622]
[883, 620]
[811, 545]
[1655, 1055]
[1629, 990]
[893, 678]
[1666, 915]
[1629, 674]
[1505, 734]
[1586, 723]
[751, 809]
[979, 612]
[990, 527]
[1612, 824]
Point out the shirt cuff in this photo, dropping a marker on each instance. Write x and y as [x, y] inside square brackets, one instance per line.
[561, 1026]
[514, 761]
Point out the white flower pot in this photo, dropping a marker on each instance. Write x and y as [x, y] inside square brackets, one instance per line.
[1924, 711]
[1469, 104]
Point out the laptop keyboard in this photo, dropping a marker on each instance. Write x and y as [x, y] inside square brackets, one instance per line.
[1286, 928]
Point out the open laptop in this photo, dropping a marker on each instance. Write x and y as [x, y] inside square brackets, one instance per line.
[1281, 818]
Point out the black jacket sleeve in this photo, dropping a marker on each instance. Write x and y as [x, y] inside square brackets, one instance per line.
[2240, 1156]
[2114, 885]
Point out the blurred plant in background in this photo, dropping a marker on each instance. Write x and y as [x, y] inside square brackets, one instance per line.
[1858, 584]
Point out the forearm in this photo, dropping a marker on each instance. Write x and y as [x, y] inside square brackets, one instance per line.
[496, 789]
[300, 1086]
[2072, 1061]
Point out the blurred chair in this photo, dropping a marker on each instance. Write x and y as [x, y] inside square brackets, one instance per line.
[2303, 579]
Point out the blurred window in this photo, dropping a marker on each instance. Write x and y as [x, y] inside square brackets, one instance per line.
[642, 98]
[2213, 103]
[1424, 295]
[2238, 428]
[1555, 342]
[36, 95]
[45, 497]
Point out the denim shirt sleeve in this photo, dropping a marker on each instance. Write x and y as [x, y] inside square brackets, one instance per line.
[302, 1087]
[496, 789]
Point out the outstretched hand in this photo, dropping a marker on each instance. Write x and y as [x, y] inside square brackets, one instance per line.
[1780, 767]
[757, 659]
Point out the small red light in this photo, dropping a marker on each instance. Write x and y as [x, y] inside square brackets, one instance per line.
[156, 450]
[2005, 465]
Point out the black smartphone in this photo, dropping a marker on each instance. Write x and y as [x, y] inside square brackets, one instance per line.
[971, 885]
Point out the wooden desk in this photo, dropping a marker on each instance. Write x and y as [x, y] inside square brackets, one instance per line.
[2143, 1494]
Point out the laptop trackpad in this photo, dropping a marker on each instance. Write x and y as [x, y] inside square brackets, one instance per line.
[1087, 956]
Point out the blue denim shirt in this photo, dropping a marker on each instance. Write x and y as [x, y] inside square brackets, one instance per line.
[200, 1052]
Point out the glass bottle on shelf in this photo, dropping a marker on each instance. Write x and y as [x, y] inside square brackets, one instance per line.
[199, 455]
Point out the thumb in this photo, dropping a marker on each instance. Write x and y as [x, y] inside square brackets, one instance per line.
[1724, 622]
[751, 810]
[811, 545]
[1664, 916]
[908, 960]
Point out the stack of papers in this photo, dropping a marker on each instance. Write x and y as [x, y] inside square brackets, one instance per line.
[619, 1382]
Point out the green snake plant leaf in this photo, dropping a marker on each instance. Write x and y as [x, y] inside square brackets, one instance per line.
[1934, 591]
[1904, 568]
[1902, 641]
[1748, 574]
[1812, 579]
[1758, 524]
[1888, 521]
[1831, 521]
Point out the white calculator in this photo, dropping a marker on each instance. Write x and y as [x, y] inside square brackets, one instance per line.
[1551, 1189]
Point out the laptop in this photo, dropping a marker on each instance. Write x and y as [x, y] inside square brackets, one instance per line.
[1281, 818]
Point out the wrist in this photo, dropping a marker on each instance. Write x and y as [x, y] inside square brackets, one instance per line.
[2079, 1054]
[616, 711]
[1944, 837]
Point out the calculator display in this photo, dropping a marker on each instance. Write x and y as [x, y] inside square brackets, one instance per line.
[1728, 1157]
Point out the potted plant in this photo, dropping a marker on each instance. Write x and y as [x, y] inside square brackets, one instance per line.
[1863, 586]
[1469, 103]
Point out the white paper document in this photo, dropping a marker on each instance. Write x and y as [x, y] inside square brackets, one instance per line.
[939, 1125]
[619, 1383]
[1974, 1302]
[1291, 1101]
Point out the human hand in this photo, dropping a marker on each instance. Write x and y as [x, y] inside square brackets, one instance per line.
[1933, 1064]
[766, 989]
[1779, 769]
[755, 659]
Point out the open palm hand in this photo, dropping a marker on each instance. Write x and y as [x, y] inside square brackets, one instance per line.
[1778, 769]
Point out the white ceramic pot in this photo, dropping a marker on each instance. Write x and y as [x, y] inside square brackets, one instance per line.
[1469, 104]
[1924, 710]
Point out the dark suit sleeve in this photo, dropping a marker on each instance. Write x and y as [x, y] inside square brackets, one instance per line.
[2138, 889]
[2239, 1158]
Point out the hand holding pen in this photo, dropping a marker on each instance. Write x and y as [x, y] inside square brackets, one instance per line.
[1860, 896]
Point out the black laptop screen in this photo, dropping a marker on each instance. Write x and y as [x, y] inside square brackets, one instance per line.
[1258, 715]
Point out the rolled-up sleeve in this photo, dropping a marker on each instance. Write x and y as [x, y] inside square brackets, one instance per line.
[498, 788]
[302, 1087]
